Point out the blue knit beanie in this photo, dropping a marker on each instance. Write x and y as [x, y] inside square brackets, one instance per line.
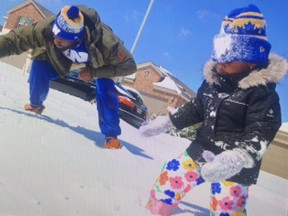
[242, 37]
[69, 24]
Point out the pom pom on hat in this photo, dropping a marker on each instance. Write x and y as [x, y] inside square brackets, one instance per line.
[242, 37]
[73, 12]
[69, 24]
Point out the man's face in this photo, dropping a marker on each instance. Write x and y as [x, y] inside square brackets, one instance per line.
[63, 44]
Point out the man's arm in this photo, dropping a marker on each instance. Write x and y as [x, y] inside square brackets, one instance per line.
[18, 41]
[122, 64]
[119, 61]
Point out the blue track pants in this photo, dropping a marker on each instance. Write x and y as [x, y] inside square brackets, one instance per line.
[106, 95]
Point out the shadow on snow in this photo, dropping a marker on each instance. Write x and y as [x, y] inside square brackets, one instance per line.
[95, 136]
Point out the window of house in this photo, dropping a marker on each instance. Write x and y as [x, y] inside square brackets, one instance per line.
[146, 74]
[24, 21]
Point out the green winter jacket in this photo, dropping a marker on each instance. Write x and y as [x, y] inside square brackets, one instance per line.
[107, 55]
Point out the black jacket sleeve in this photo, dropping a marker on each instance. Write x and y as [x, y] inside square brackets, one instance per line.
[262, 122]
[190, 113]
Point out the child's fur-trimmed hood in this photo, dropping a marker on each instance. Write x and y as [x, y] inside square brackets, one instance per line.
[276, 71]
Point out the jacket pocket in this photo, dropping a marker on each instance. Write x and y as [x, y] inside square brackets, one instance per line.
[96, 57]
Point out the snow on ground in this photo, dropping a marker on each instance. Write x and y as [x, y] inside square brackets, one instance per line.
[53, 165]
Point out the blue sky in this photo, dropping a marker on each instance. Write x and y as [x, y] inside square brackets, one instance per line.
[178, 33]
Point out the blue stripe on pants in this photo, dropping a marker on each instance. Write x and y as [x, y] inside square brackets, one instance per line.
[108, 107]
[106, 95]
[40, 75]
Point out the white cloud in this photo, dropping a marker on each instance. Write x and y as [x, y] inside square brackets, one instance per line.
[205, 16]
[167, 55]
[184, 33]
[133, 16]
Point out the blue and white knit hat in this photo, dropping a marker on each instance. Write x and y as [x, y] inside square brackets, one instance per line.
[242, 37]
[69, 24]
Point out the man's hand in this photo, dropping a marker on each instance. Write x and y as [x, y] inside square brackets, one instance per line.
[85, 74]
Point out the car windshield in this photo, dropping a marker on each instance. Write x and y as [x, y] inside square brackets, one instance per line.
[123, 91]
[136, 95]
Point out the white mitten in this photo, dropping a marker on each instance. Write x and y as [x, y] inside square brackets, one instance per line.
[156, 126]
[225, 165]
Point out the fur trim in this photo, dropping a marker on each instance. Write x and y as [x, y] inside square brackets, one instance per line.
[209, 73]
[276, 71]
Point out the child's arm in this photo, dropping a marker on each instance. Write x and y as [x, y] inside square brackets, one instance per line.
[187, 115]
[263, 120]
[190, 113]
[225, 165]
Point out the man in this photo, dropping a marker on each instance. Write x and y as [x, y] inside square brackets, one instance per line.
[75, 39]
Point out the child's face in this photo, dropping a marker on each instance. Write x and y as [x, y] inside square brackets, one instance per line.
[232, 68]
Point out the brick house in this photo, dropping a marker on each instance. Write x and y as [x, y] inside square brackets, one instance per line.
[23, 14]
[159, 88]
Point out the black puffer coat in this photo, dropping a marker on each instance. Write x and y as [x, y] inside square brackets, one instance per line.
[236, 112]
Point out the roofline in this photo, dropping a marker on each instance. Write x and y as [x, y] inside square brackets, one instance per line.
[164, 89]
[186, 96]
[150, 63]
[162, 72]
[283, 131]
[24, 4]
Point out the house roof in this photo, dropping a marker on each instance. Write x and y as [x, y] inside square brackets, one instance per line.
[169, 83]
[41, 9]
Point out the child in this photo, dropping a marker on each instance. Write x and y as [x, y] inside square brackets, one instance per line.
[240, 114]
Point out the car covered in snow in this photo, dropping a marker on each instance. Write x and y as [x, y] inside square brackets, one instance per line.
[131, 106]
